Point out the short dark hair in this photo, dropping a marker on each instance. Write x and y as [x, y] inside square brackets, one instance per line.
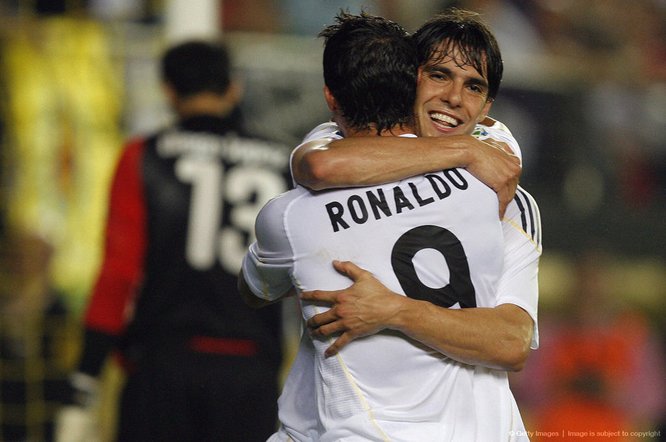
[370, 67]
[197, 66]
[463, 30]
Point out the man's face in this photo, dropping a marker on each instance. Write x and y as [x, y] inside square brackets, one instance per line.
[450, 99]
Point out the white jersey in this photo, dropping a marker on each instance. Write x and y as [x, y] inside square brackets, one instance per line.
[436, 236]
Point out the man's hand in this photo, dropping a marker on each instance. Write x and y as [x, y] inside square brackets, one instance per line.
[495, 165]
[364, 308]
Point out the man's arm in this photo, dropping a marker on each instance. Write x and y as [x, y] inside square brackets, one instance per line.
[361, 161]
[494, 337]
[105, 315]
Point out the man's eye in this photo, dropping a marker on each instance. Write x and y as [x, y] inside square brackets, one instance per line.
[477, 89]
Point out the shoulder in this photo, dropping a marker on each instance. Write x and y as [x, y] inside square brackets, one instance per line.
[324, 130]
[498, 131]
[319, 136]
[523, 202]
[523, 214]
[270, 224]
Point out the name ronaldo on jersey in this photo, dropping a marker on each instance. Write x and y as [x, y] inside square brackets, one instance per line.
[358, 208]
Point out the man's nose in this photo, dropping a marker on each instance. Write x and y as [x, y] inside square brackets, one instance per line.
[452, 94]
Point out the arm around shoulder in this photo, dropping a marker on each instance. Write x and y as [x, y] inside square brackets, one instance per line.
[362, 161]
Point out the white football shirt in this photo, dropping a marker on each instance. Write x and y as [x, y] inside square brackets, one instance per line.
[418, 236]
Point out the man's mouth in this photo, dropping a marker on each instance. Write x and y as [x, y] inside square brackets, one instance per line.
[444, 120]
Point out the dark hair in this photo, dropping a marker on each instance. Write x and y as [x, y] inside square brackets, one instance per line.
[370, 67]
[465, 31]
[197, 66]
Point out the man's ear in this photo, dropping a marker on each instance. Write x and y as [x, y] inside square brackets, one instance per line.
[330, 100]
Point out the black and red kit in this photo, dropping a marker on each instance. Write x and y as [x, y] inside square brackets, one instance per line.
[201, 365]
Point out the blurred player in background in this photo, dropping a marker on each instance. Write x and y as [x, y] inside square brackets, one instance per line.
[200, 365]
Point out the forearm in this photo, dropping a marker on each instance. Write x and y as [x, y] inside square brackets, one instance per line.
[497, 338]
[360, 161]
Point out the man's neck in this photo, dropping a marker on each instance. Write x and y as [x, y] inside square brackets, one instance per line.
[204, 104]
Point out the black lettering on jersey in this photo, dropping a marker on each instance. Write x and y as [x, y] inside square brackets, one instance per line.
[441, 187]
[401, 201]
[422, 202]
[378, 202]
[335, 211]
[358, 211]
[355, 208]
[460, 182]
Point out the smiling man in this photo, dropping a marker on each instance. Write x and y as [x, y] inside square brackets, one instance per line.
[470, 79]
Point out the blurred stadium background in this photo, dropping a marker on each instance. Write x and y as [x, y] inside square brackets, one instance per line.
[584, 93]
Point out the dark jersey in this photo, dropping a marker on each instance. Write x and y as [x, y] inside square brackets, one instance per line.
[181, 216]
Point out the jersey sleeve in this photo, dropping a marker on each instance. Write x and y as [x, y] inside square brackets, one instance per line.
[122, 266]
[268, 262]
[498, 132]
[522, 249]
[124, 250]
[325, 132]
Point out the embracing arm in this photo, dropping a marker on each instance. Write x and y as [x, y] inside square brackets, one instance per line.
[360, 161]
[497, 337]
